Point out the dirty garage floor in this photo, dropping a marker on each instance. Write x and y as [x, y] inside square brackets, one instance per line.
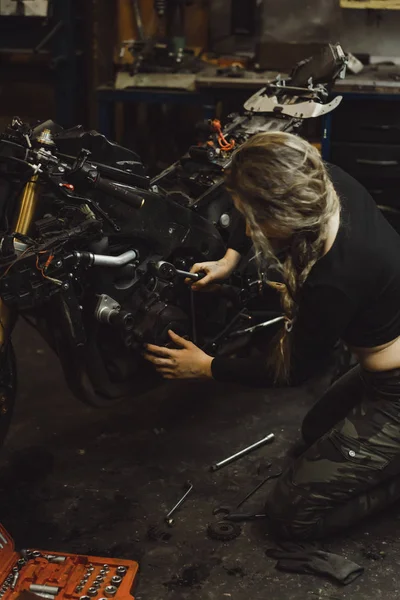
[91, 481]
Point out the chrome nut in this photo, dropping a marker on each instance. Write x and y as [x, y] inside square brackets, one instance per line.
[116, 580]
[121, 571]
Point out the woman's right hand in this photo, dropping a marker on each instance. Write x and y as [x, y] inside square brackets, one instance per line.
[215, 270]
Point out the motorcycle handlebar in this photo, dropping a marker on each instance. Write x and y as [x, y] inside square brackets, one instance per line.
[122, 193]
[90, 177]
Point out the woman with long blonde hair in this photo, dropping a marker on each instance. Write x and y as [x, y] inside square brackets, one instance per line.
[324, 245]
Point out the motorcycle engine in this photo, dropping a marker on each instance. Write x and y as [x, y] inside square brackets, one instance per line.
[154, 308]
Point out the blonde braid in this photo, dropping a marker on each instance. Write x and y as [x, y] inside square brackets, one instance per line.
[280, 180]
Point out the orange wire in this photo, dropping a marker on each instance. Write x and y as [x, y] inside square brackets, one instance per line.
[223, 142]
[48, 262]
[42, 269]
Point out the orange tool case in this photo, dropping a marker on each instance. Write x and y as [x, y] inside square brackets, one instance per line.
[59, 576]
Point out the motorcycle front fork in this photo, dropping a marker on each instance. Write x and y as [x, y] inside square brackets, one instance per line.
[22, 224]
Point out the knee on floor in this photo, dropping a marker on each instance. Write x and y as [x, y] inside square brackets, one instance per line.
[285, 522]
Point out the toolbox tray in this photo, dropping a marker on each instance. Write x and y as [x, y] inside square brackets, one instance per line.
[63, 571]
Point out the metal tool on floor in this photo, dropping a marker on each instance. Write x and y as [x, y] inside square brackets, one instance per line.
[237, 517]
[168, 518]
[227, 461]
[244, 517]
[273, 475]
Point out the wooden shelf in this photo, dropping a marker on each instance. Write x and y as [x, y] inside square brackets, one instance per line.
[372, 4]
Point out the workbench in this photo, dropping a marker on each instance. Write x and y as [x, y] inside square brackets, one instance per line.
[209, 89]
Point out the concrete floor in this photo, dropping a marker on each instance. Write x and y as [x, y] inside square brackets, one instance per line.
[78, 479]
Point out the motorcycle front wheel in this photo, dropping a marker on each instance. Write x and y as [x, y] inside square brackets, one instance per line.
[8, 389]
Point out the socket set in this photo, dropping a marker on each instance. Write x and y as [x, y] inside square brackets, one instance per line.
[59, 576]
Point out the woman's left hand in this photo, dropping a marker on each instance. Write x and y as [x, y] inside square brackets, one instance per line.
[188, 362]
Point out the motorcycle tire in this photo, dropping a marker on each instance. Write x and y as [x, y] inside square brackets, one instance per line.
[8, 389]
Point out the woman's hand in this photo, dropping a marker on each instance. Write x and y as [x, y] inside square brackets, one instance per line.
[215, 270]
[188, 362]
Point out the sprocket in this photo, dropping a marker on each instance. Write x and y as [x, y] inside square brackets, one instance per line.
[223, 531]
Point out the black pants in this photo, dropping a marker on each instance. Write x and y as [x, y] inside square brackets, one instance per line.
[352, 467]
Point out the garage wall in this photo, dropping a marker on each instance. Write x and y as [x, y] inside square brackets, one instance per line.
[370, 31]
[374, 32]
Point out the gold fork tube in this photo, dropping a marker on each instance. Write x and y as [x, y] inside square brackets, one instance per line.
[23, 224]
[28, 204]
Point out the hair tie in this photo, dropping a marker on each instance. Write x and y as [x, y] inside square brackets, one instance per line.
[288, 324]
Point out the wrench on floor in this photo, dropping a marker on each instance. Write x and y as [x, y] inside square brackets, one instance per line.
[225, 510]
[168, 518]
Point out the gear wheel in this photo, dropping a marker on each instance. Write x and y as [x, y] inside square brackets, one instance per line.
[223, 531]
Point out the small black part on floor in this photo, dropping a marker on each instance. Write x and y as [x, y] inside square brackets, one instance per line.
[100, 482]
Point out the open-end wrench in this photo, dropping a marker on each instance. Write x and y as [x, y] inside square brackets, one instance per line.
[168, 518]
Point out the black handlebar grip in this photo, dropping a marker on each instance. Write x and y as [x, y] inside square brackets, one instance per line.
[125, 194]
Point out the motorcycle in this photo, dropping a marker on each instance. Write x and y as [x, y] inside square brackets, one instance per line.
[94, 254]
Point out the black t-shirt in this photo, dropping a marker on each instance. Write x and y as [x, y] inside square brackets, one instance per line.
[352, 293]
